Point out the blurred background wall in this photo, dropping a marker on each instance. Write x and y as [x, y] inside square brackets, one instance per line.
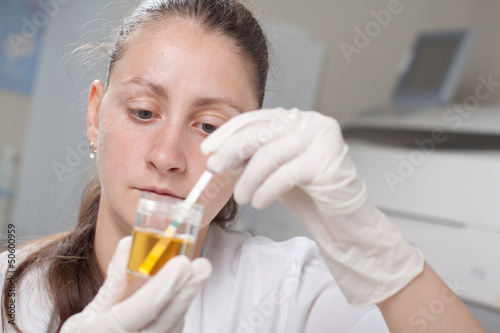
[345, 88]
[369, 78]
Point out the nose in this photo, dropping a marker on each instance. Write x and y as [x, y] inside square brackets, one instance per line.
[166, 153]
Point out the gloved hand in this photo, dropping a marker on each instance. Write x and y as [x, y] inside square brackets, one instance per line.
[300, 158]
[157, 306]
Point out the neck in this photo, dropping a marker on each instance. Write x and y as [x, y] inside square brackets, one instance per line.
[108, 234]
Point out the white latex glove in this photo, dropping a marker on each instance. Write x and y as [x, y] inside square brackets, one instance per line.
[300, 158]
[158, 306]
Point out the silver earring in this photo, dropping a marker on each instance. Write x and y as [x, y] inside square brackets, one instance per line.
[93, 150]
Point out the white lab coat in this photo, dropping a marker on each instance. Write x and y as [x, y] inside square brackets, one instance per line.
[257, 285]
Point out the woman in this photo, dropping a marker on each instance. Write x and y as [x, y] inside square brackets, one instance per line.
[180, 70]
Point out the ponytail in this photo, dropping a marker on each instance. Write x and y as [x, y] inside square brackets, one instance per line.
[74, 275]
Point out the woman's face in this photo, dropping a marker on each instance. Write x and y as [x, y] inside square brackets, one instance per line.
[173, 86]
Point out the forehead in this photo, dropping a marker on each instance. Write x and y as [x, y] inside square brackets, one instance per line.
[178, 46]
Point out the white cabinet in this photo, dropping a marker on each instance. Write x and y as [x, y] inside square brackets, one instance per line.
[445, 196]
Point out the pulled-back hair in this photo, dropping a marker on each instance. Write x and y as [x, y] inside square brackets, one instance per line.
[74, 275]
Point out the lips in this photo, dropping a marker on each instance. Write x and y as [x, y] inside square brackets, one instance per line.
[161, 192]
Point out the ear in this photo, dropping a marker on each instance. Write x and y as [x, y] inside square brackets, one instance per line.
[95, 96]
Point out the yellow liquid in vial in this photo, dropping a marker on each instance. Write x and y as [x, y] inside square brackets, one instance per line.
[144, 240]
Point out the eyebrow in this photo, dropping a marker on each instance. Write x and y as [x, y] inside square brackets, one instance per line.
[204, 101]
[155, 88]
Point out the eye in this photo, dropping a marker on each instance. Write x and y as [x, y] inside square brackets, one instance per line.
[208, 128]
[142, 114]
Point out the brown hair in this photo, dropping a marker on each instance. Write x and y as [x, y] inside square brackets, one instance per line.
[74, 275]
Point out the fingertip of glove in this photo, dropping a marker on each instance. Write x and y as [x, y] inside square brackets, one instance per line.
[180, 260]
[124, 245]
[125, 240]
[212, 165]
[239, 197]
[205, 147]
[202, 267]
[259, 203]
[176, 267]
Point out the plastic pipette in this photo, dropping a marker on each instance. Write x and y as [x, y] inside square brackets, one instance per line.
[160, 246]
